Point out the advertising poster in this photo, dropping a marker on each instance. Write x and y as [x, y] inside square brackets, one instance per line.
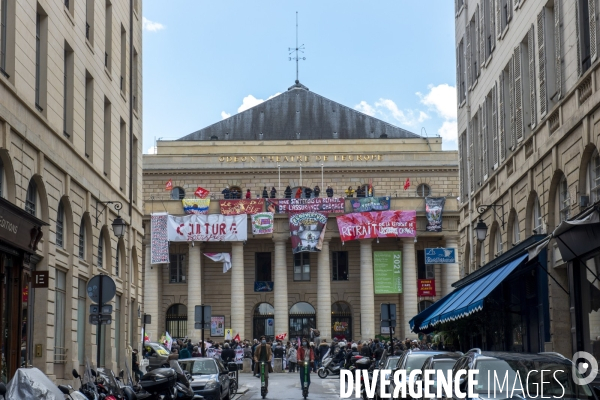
[287, 206]
[308, 230]
[195, 206]
[262, 223]
[387, 272]
[434, 207]
[425, 287]
[217, 325]
[237, 207]
[370, 225]
[370, 204]
[207, 228]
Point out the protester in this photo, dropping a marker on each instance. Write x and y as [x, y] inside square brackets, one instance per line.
[226, 193]
[349, 192]
[135, 365]
[329, 191]
[248, 194]
[288, 192]
[273, 192]
[317, 190]
[265, 194]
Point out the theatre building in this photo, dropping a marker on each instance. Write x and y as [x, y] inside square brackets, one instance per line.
[294, 270]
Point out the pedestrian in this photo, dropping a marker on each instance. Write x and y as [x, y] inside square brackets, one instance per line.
[317, 190]
[329, 191]
[264, 354]
[278, 352]
[184, 353]
[288, 192]
[135, 364]
[349, 192]
[196, 352]
[248, 194]
[226, 193]
[265, 194]
[323, 350]
[360, 192]
[228, 354]
[292, 358]
[253, 349]
[305, 356]
[273, 192]
[307, 192]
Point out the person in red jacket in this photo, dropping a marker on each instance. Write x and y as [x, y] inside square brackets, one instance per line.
[305, 355]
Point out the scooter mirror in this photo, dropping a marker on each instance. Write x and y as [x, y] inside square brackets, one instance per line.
[75, 374]
[121, 374]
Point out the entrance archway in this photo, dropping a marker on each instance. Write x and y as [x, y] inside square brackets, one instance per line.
[176, 322]
[341, 321]
[264, 321]
[302, 318]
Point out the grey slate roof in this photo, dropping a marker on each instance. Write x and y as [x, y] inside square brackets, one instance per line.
[299, 114]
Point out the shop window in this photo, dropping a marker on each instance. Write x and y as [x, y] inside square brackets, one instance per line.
[302, 267]
[81, 320]
[425, 271]
[31, 198]
[339, 265]
[177, 268]
[424, 305]
[176, 322]
[263, 322]
[341, 320]
[82, 239]
[423, 190]
[60, 309]
[101, 250]
[563, 199]
[516, 230]
[302, 318]
[262, 267]
[60, 218]
[177, 193]
[594, 177]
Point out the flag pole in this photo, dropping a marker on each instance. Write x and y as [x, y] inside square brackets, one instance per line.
[322, 184]
[300, 174]
[279, 175]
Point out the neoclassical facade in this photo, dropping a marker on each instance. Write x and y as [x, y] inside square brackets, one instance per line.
[300, 139]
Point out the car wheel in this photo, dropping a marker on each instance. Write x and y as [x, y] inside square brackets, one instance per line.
[228, 397]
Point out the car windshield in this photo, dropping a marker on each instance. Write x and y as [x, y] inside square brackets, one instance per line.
[415, 361]
[200, 367]
[443, 365]
[500, 376]
[391, 363]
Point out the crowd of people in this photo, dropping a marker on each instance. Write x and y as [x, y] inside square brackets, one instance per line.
[305, 192]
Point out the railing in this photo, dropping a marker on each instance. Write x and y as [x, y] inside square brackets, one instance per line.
[60, 355]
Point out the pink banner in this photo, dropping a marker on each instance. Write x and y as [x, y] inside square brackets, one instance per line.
[369, 225]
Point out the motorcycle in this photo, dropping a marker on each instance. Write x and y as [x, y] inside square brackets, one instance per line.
[167, 383]
[31, 383]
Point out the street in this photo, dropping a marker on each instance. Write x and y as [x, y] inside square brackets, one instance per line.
[286, 386]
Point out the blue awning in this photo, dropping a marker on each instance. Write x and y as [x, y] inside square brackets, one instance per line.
[464, 301]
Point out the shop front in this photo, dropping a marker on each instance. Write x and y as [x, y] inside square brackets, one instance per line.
[20, 234]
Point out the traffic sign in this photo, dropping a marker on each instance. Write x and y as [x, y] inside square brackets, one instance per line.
[109, 289]
[106, 309]
[198, 313]
[440, 255]
[198, 325]
[96, 319]
[388, 314]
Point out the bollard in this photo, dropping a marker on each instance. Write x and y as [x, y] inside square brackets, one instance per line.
[278, 365]
[247, 365]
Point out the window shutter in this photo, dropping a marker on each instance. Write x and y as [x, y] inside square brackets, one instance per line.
[461, 169]
[541, 32]
[558, 48]
[532, 99]
[483, 140]
[471, 158]
[495, 124]
[578, 37]
[482, 37]
[509, 8]
[502, 118]
[518, 95]
[492, 10]
[511, 99]
[458, 57]
[498, 18]
[469, 80]
[475, 45]
[593, 45]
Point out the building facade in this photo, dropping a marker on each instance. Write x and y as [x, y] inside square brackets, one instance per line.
[70, 141]
[527, 74]
[301, 140]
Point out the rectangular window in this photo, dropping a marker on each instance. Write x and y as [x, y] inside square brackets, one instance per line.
[60, 309]
[425, 271]
[460, 71]
[564, 200]
[135, 168]
[123, 81]
[89, 116]
[118, 328]
[135, 80]
[81, 320]
[60, 217]
[263, 267]
[132, 330]
[82, 240]
[123, 156]
[108, 36]
[41, 58]
[7, 18]
[89, 21]
[68, 91]
[302, 267]
[587, 46]
[177, 268]
[339, 265]
[107, 137]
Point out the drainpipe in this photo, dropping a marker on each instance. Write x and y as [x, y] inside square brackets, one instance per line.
[468, 106]
[131, 172]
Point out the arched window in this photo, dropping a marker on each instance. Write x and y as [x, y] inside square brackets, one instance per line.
[516, 231]
[341, 321]
[177, 193]
[302, 318]
[31, 200]
[424, 305]
[594, 177]
[60, 221]
[499, 244]
[423, 190]
[101, 250]
[536, 217]
[563, 199]
[82, 239]
[176, 321]
[263, 322]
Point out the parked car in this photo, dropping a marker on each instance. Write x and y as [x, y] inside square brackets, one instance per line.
[556, 375]
[157, 355]
[439, 362]
[209, 377]
[411, 360]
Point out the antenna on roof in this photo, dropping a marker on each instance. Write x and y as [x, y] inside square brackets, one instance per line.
[426, 137]
[296, 50]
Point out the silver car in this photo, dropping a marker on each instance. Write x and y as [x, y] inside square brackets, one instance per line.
[210, 378]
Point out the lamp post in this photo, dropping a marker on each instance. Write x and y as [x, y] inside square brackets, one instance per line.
[481, 228]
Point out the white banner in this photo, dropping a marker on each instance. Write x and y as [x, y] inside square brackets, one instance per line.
[208, 228]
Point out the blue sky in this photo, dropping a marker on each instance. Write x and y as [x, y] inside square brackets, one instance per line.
[205, 60]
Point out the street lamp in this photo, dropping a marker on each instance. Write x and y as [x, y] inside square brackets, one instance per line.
[118, 224]
[481, 230]
[119, 227]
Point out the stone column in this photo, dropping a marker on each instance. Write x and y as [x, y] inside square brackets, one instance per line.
[409, 284]
[450, 272]
[367, 291]
[324, 292]
[152, 303]
[238, 307]
[280, 285]
[194, 281]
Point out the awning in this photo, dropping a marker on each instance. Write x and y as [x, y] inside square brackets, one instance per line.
[464, 301]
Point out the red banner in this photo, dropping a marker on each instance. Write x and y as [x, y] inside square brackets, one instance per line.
[201, 193]
[370, 225]
[288, 206]
[169, 185]
[425, 287]
[237, 207]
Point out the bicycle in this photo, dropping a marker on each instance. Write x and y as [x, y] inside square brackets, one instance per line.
[233, 378]
[305, 383]
[263, 385]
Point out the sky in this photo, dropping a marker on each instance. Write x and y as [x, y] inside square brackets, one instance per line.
[206, 60]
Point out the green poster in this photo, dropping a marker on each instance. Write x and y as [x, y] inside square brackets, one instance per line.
[387, 272]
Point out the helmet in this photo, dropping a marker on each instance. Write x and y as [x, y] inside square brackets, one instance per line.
[354, 346]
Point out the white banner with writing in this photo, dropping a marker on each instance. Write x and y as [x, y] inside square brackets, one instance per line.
[208, 228]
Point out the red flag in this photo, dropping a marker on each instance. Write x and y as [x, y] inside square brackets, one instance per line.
[169, 185]
[281, 336]
[201, 192]
[407, 184]
[237, 338]
[299, 193]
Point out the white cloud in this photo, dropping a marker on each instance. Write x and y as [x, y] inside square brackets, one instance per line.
[388, 109]
[151, 26]
[251, 101]
[442, 100]
[449, 131]
[225, 115]
[365, 108]
[152, 150]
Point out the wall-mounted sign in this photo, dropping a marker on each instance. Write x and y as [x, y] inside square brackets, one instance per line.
[426, 287]
[440, 256]
[39, 279]
[387, 272]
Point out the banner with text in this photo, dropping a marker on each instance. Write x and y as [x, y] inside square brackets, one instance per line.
[159, 241]
[434, 207]
[308, 231]
[426, 287]
[236, 207]
[370, 225]
[262, 223]
[195, 206]
[285, 206]
[370, 204]
[387, 272]
[208, 228]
